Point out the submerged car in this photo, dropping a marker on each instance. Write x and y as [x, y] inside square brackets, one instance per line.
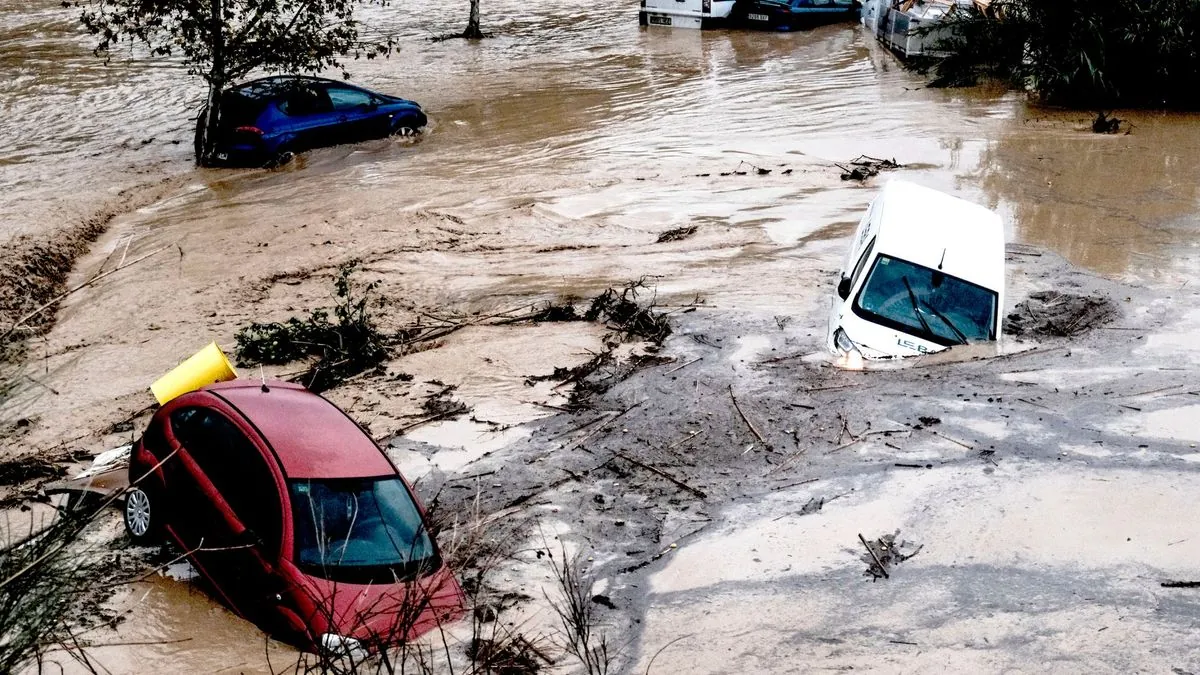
[793, 14]
[296, 517]
[264, 120]
[925, 272]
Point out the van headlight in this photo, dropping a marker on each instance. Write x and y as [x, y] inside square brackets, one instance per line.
[844, 342]
[850, 357]
[338, 646]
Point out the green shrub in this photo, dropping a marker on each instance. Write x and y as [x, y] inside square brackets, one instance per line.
[347, 345]
[1094, 54]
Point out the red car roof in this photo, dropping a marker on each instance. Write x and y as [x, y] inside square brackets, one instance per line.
[312, 437]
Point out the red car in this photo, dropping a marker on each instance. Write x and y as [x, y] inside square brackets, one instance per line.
[296, 517]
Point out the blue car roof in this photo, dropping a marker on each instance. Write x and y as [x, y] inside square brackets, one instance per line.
[269, 87]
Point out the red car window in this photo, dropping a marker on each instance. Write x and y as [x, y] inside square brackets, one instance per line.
[360, 530]
[236, 468]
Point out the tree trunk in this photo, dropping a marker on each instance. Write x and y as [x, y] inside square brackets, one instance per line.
[206, 127]
[472, 32]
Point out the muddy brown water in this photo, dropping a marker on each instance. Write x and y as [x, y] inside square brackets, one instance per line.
[565, 145]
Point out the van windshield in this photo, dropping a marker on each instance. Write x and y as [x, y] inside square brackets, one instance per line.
[360, 530]
[927, 303]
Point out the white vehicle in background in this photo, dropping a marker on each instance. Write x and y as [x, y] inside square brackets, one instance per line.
[685, 13]
[925, 272]
[915, 27]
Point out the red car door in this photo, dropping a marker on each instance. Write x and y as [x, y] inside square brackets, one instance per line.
[226, 509]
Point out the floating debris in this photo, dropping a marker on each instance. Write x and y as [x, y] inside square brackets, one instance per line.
[676, 234]
[1103, 124]
[865, 167]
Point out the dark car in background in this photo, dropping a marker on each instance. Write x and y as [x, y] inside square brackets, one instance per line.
[264, 120]
[294, 515]
[793, 14]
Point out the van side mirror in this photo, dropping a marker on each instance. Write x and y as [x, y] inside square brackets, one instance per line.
[843, 289]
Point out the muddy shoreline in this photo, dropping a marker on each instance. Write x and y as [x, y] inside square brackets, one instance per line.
[36, 266]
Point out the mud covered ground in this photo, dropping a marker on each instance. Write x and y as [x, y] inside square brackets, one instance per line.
[1047, 490]
[717, 493]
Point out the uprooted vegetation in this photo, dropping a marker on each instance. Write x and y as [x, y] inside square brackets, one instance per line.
[1056, 314]
[581, 633]
[346, 340]
[676, 234]
[348, 345]
[884, 553]
[49, 595]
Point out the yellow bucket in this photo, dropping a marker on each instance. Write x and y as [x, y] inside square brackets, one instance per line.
[206, 366]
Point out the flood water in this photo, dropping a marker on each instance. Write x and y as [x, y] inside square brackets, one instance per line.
[565, 139]
[571, 104]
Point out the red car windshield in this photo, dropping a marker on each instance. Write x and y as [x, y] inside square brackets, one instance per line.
[360, 531]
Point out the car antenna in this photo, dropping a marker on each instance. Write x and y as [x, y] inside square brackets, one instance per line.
[943, 259]
[263, 377]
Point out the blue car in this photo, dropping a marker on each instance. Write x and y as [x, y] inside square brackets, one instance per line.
[793, 14]
[266, 121]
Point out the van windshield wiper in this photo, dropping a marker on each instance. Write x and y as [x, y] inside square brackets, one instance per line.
[962, 337]
[912, 297]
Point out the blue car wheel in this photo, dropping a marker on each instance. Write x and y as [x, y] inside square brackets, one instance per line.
[407, 127]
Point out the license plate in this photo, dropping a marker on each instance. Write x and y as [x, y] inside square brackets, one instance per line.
[222, 156]
[758, 17]
[660, 20]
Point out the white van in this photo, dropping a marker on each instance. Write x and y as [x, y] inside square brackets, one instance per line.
[925, 272]
[685, 13]
[915, 28]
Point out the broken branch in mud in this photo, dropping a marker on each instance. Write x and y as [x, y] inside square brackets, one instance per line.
[602, 427]
[884, 552]
[583, 426]
[663, 649]
[1180, 584]
[753, 429]
[685, 439]
[699, 493]
[421, 422]
[681, 367]
[878, 562]
[673, 546]
[830, 387]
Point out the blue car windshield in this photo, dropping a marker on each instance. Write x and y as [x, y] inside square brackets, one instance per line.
[927, 303]
[360, 530]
